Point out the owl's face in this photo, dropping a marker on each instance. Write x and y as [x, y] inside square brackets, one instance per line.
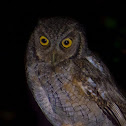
[56, 40]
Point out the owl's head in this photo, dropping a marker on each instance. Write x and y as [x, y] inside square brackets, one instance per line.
[57, 39]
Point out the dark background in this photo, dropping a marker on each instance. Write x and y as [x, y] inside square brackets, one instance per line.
[105, 26]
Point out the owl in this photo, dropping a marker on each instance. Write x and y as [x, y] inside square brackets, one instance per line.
[71, 85]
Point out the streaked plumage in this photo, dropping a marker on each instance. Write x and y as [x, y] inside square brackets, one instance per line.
[71, 85]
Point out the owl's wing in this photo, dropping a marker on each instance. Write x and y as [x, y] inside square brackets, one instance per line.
[39, 93]
[100, 83]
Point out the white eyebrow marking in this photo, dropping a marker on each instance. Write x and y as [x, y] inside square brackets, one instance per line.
[94, 62]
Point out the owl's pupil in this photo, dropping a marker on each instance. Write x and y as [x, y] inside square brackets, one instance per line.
[66, 42]
[44, 40]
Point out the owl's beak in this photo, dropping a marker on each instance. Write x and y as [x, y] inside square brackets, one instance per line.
[53, 58]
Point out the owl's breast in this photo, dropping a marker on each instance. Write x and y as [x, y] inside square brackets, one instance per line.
[68, 99]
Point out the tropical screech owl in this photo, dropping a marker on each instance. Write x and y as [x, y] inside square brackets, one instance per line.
[71, 85]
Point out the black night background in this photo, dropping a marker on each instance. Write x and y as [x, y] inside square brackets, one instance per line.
[105, 27]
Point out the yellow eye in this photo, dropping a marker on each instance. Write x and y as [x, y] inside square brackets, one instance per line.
[67, 42]
[44, 41]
